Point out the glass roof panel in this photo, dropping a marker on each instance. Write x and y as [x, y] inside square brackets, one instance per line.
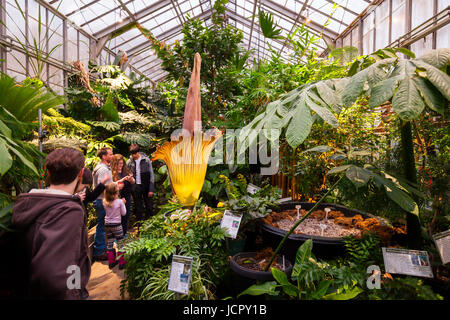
[165, 18]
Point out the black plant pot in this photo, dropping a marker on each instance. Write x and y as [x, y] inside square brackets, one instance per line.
[323, 247]
[242, 278]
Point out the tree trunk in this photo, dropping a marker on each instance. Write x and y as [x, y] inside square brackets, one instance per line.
[409, 169]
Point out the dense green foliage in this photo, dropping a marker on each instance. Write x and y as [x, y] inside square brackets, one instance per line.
[197, 235]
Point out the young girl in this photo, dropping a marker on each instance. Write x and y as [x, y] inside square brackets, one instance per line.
[115, 209]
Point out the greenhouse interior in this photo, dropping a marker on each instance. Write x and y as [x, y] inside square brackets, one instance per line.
[252, 150]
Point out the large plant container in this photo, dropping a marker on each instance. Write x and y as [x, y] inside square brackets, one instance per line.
[323, 247]
[242, 277]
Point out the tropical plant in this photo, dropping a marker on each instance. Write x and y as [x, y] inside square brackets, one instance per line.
[36, 49]
[314, 280]
[268, 26]
[397, 189]
[250, 205]
[410, 84]
[196, 234]
[19, 104]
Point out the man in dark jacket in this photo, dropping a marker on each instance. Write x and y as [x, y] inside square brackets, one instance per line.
[54, 233]
[141, 167]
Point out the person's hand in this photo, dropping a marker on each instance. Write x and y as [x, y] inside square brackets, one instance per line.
[120, 184]
[150, 194]
[124, 201]
[106, 178]
[82, 195]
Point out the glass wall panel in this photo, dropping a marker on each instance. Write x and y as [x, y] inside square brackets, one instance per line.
[398, 19]
[368, 31]
[15, 22]
[382, 25]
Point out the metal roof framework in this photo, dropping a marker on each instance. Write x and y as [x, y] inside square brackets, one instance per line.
[165, 19]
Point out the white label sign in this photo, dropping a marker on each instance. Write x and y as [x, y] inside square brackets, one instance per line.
[231, 223]
[408, 262]
[442, 241]
[180, 274]
[252, 189]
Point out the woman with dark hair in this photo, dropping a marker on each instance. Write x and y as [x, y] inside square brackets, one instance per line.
[122, 174]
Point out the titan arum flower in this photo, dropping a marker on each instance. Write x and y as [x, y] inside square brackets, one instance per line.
[187, 155]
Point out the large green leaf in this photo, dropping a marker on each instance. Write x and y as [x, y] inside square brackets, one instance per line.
[259, 289]
[24, 101]
[358, 176]
[5, 210]
[403, 185]
[397, 195]
[433, 98]
[282, 279]
[300, 126]
[5, 158]
[373, 75]
[339, 169]
[109, 109]
[354, 88]
[23, 159]
[319, 149]
[437, 58]
[438, 78]
[108, 125]
[328, 95]
[5, 130]
[321, 289]
[302, 256]
[407, 101]
[383, 91]
[316, 104]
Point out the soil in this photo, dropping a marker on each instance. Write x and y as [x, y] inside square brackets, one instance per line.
[104, 283]
[337, 225]
[260, 261]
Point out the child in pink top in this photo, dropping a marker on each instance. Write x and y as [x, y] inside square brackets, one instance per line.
[115, 209]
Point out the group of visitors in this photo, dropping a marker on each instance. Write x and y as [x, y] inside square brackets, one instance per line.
[53, 221]
[133, 179]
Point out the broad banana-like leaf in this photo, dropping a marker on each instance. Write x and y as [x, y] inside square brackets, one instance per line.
[282, 279]
[358, 176]
[24, 101]
[437, 58]
[373, 74]
[432, 97]
[302, 256]
[409, 84]
[300, 125]
[383, 91]
[6, 160]
[438, 78]
[397, 195]
[407, 102]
